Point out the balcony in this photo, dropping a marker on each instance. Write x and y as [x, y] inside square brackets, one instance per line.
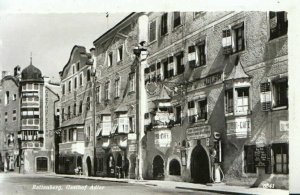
[75, 147]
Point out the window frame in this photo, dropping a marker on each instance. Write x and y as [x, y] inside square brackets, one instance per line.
[281, 146]
[284, 25]
[150, 30]
[275, 85]
[164, 24]
[174, 20]
[110, 59]
[201, 49]
[120, 56]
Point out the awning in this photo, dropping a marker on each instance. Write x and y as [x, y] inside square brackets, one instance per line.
[114, 128]
[98, 132]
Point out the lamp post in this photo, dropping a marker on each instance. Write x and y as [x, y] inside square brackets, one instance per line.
[141, 54]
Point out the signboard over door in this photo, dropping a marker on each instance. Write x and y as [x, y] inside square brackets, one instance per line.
[163, 138]
[198, 132]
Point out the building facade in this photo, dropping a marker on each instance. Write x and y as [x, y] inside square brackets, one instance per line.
[115, 117]
[37, 121]
[77, 126]
[217, 103]
[217, 97]
[9, 121]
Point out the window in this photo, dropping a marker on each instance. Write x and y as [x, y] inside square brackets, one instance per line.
[131, 124]
[152, 73]
[179, 63]
[63, 114]
[75, 82]
[178, 115]
[233, 39]
[106, 90]
[239, 38]
[242, 100]
[88, 133]
[249, 165]
[147, 75]
[88, 75]
[120, 53]
[202, 112]
[41, 164]
[117, 87]
[164, 24]
[281, 158]
[30, 112]
[73, 68]
[229, 101]
[80, 107]
[201, 53]
[165, 69]
[15, 97]
[88, 103]
[69, 112]
[152, 31]
[106, 125]
[123, 124]
[177, 19]
[191, 112]
[131, 82]
[77, 66]
[65, 134]
[110, 59]
[80, 79]
[280, 91]
[198, 14]
[278, 24]
[6, 98]
[98, 94]
[63, 89]
[192, 56]
[36, 86]
[158, 71]
[69, 87]
[171, 66]
[265, 96]
[74, 109]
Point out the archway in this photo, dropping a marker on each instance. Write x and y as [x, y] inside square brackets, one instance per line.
[158, 167]
[89, 165]
[200, 165]
[174, 167]
[119, 166]
[132, 159]
[79, 161]
[110, 166]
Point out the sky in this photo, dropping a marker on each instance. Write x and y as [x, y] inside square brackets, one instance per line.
[50, 38]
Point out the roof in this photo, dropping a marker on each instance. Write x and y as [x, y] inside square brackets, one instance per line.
[109, 31]
[163, 95]
[122, 108]
[237, 72]
[13, 78]
[31, 73]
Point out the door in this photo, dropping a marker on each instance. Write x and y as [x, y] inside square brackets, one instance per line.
[41, 164]
[89, 166]
[200, 165]
[158, 167]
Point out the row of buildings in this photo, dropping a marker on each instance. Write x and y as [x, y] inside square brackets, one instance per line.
[188, 96]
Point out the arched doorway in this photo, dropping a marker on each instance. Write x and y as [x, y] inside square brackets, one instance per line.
[174, 167]
[89, 165]
[110, 166]
[79, 161]
[132, 159]
[41, 164]
[119, 166]
[200, 165]
[158, 167]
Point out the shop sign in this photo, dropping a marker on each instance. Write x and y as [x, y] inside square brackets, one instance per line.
[132, 136]
[284, 125]
[115, 149]
[132, 148]
[162, 138]
[239, 127]
[198, 132]
[261, 156]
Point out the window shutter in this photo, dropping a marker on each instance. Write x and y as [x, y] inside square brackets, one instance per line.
[192, 56]
[265, 96]
[171, 66]
[227, 42]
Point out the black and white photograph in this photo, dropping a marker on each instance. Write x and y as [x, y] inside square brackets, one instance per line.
[166, 99]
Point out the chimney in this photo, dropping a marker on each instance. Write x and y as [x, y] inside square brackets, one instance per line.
[4, 73]
[17, 71]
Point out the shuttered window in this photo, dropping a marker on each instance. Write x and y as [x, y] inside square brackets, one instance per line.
[192, 56]
[278, 24]
[152, 31]
[265, 96]
[164, 24]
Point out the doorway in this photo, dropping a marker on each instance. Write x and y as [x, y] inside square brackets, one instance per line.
[158, 167]
[110, 166]
[41, 164]
[200, 165]
[89, 165]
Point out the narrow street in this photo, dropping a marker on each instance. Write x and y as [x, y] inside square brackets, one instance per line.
[28, 184]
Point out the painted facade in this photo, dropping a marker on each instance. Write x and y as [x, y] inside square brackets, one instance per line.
[76, 129]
